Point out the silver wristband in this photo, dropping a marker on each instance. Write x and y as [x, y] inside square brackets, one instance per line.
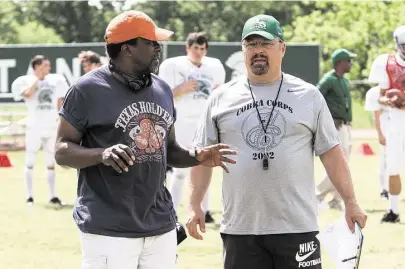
[193, 152]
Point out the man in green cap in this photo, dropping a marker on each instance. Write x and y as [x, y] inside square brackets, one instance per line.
[276, 122]
[335, 89]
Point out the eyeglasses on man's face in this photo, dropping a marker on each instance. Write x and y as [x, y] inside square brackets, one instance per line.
[266, 44]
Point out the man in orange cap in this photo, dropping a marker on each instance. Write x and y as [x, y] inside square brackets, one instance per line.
[116, 129]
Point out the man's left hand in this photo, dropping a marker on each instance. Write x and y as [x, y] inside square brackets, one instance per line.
[355, 214]
[214, 155]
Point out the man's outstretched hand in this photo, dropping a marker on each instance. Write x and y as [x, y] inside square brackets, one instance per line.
[215, 155]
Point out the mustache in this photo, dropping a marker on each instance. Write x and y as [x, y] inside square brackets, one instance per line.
[157, 56]
[259, 56]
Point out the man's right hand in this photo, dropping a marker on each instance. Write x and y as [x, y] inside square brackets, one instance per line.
[186, 87]
[385, 101]
[119, 157]
[197, 217]
[190, 85]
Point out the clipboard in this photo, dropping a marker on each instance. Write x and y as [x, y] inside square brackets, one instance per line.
[359, 248]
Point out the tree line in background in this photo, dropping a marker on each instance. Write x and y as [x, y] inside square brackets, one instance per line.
[363, 27]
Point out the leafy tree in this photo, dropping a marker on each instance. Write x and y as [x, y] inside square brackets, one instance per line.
[35, 33]
[365, 28]
[73, 21]
[81, 21]
[223, 20]
[8, 33]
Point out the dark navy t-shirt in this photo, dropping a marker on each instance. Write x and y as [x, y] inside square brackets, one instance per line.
[134, 203]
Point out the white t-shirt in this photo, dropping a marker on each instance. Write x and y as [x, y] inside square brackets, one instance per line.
[378, 72]
[42, 105]
[372, 104]
[177, 70]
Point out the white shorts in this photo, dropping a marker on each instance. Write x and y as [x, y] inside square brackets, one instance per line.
[105, 252]
[395, 148]
[181, 173]
[36, 139]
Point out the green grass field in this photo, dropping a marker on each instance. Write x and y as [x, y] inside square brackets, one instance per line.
[42, 238]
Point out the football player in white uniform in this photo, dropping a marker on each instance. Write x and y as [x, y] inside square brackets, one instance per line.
[388, 70]
[192, 78]
[380, 113]
[43, 95]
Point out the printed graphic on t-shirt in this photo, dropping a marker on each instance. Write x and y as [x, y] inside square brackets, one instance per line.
[146, 126]
[45, 98]
[263, 142]
[204, 85]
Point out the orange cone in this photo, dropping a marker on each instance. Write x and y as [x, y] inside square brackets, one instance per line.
[4, 160]
[365, 149]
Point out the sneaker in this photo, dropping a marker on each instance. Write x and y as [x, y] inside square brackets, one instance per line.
[209, 218]
[30, 201]
[337, 205]
[55, 201]
[384, 194]
[390, 217]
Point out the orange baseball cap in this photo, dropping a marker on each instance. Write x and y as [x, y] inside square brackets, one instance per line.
[132, 24]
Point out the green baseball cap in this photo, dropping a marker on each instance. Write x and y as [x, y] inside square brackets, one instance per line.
[342, 54]
[263, 25]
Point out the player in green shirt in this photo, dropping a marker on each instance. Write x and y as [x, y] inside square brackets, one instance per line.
[335, 89]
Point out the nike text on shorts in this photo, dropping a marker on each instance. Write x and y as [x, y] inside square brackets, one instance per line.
[276, 251]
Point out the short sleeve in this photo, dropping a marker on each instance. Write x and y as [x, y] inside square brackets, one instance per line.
[324, 85]
[18, 87]
[325, 134]
[167, 73]
[372, 97]
[62, 87]
[378, 72]
[207, 131]
[74, 109]
[220, 74]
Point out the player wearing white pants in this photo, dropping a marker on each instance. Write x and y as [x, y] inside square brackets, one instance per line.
[43, 95]
[381, 117]
[326, 186]
[388, 70]
[103, 252]
[396, 142]
[192, 78]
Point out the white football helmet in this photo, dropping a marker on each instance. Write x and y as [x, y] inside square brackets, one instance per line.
[399, 37]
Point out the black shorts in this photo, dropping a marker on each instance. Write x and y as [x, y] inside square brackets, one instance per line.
[276, 251]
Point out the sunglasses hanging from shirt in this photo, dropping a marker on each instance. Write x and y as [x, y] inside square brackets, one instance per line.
[266, 157]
